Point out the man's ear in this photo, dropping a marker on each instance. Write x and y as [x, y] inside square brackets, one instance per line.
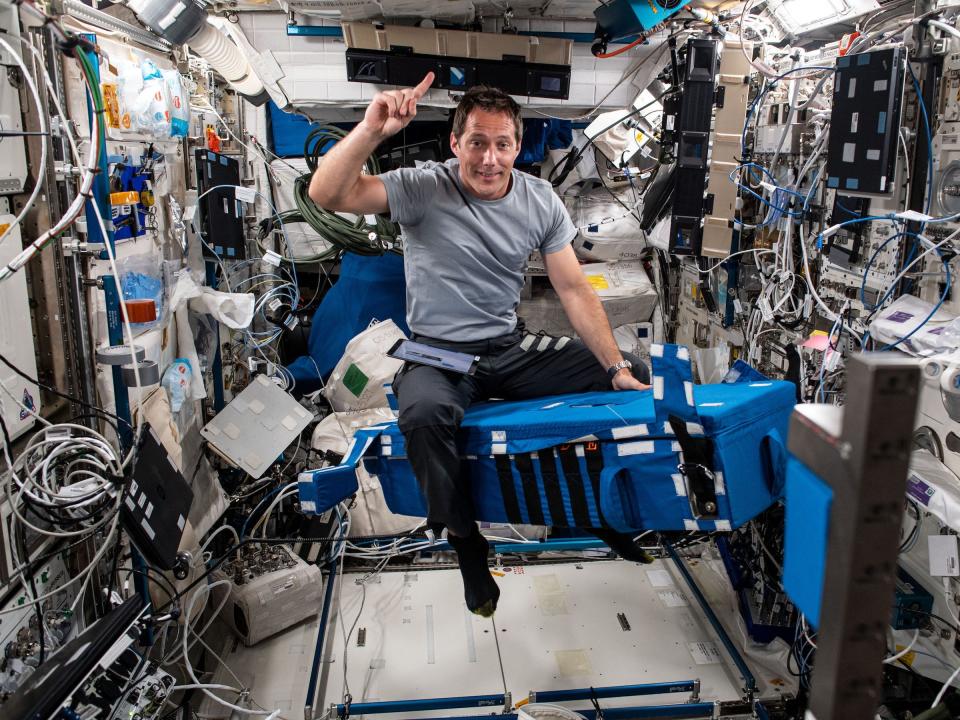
[454, 145]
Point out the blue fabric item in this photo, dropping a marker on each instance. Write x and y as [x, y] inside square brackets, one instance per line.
[287, 131]
[541, 135]
[742, 372]
[533, 143]
[559, 134]
[602, 458]
[369, 288]
[808, 505]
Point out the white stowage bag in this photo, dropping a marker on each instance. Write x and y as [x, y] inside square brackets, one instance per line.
[356, 383]
[369, 514]
[606, 229]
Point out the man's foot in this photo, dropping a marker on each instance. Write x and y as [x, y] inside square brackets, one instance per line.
[479, 588]
[623, 545]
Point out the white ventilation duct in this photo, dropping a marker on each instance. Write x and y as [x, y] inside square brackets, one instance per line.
[184, 22]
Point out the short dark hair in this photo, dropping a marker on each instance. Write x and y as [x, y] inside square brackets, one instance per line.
[489, 99]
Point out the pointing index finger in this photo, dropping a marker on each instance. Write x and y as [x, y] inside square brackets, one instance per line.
[421, 89]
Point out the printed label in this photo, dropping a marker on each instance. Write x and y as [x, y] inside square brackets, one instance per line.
[899, 316]
[919, 490]
[705, 653]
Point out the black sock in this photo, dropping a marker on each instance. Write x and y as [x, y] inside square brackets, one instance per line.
[479, 588]
[623, 545]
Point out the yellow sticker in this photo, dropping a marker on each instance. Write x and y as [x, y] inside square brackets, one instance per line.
[4, 228]
[909, 657]
[129, 197]
[598, 282]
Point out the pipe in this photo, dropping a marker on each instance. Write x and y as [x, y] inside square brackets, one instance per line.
[751, 683]
[228, 60]
[616, 691]
[396, 706]
[308, 713]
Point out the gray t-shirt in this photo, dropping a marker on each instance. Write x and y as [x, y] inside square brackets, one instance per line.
[465, 258]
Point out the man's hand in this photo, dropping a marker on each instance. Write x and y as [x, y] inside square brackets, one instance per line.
[391, 111]
[624, 380]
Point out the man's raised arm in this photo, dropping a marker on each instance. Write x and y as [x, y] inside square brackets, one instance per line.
[338, 184]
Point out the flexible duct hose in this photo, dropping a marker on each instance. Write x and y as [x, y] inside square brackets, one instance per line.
[227, 59]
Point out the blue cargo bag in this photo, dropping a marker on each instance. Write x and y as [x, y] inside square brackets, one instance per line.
[677, 457]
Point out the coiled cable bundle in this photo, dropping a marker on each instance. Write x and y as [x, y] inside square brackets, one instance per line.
[355, 235]
[69, 477]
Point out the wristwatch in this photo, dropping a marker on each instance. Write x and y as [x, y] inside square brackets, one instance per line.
[614, 369]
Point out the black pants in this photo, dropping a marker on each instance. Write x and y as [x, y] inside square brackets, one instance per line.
[432, 403]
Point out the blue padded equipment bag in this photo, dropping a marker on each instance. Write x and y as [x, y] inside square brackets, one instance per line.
[676, 457]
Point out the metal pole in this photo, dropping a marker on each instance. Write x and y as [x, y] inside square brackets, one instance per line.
[321, 637]
[551, 696]
[751, 683]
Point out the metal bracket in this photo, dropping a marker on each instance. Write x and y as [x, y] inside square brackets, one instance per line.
[701, 490]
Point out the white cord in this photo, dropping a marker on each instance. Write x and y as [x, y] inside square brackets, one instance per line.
[205, 688]
[906, 650]
[946, 686]
[939, 24]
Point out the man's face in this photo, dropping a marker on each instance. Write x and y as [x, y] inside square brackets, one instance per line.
[487, 150]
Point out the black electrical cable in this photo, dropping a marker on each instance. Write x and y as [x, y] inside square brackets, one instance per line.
[28, 573]
[947, 623]
[570, 160]
[56, 392]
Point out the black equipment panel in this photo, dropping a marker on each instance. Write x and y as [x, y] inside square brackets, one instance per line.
[865, 121]
[221, 214]
[692, 135]
[157, 502]
[511, 74]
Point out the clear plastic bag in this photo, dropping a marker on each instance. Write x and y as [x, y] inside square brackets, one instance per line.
[179, 104]
[152, 106]
[143, 278]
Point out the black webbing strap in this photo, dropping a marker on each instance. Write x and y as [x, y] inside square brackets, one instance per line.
[509, 491]
[697, 469]
[570, 464]
[531, 493]
[551, 485]
[594, 460]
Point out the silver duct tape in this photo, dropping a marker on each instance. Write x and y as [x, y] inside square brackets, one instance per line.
[149, 374]
[119, 354]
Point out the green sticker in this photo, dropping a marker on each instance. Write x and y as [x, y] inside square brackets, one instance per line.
[355, 381]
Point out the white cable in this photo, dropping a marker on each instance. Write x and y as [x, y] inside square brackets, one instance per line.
[211, 536]
[41, 171]
[827, 312]
[946, 686]
[291, 489]
[189, 668]
[740, 252]
[86, 183]
[907, 649]
[944, 26]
